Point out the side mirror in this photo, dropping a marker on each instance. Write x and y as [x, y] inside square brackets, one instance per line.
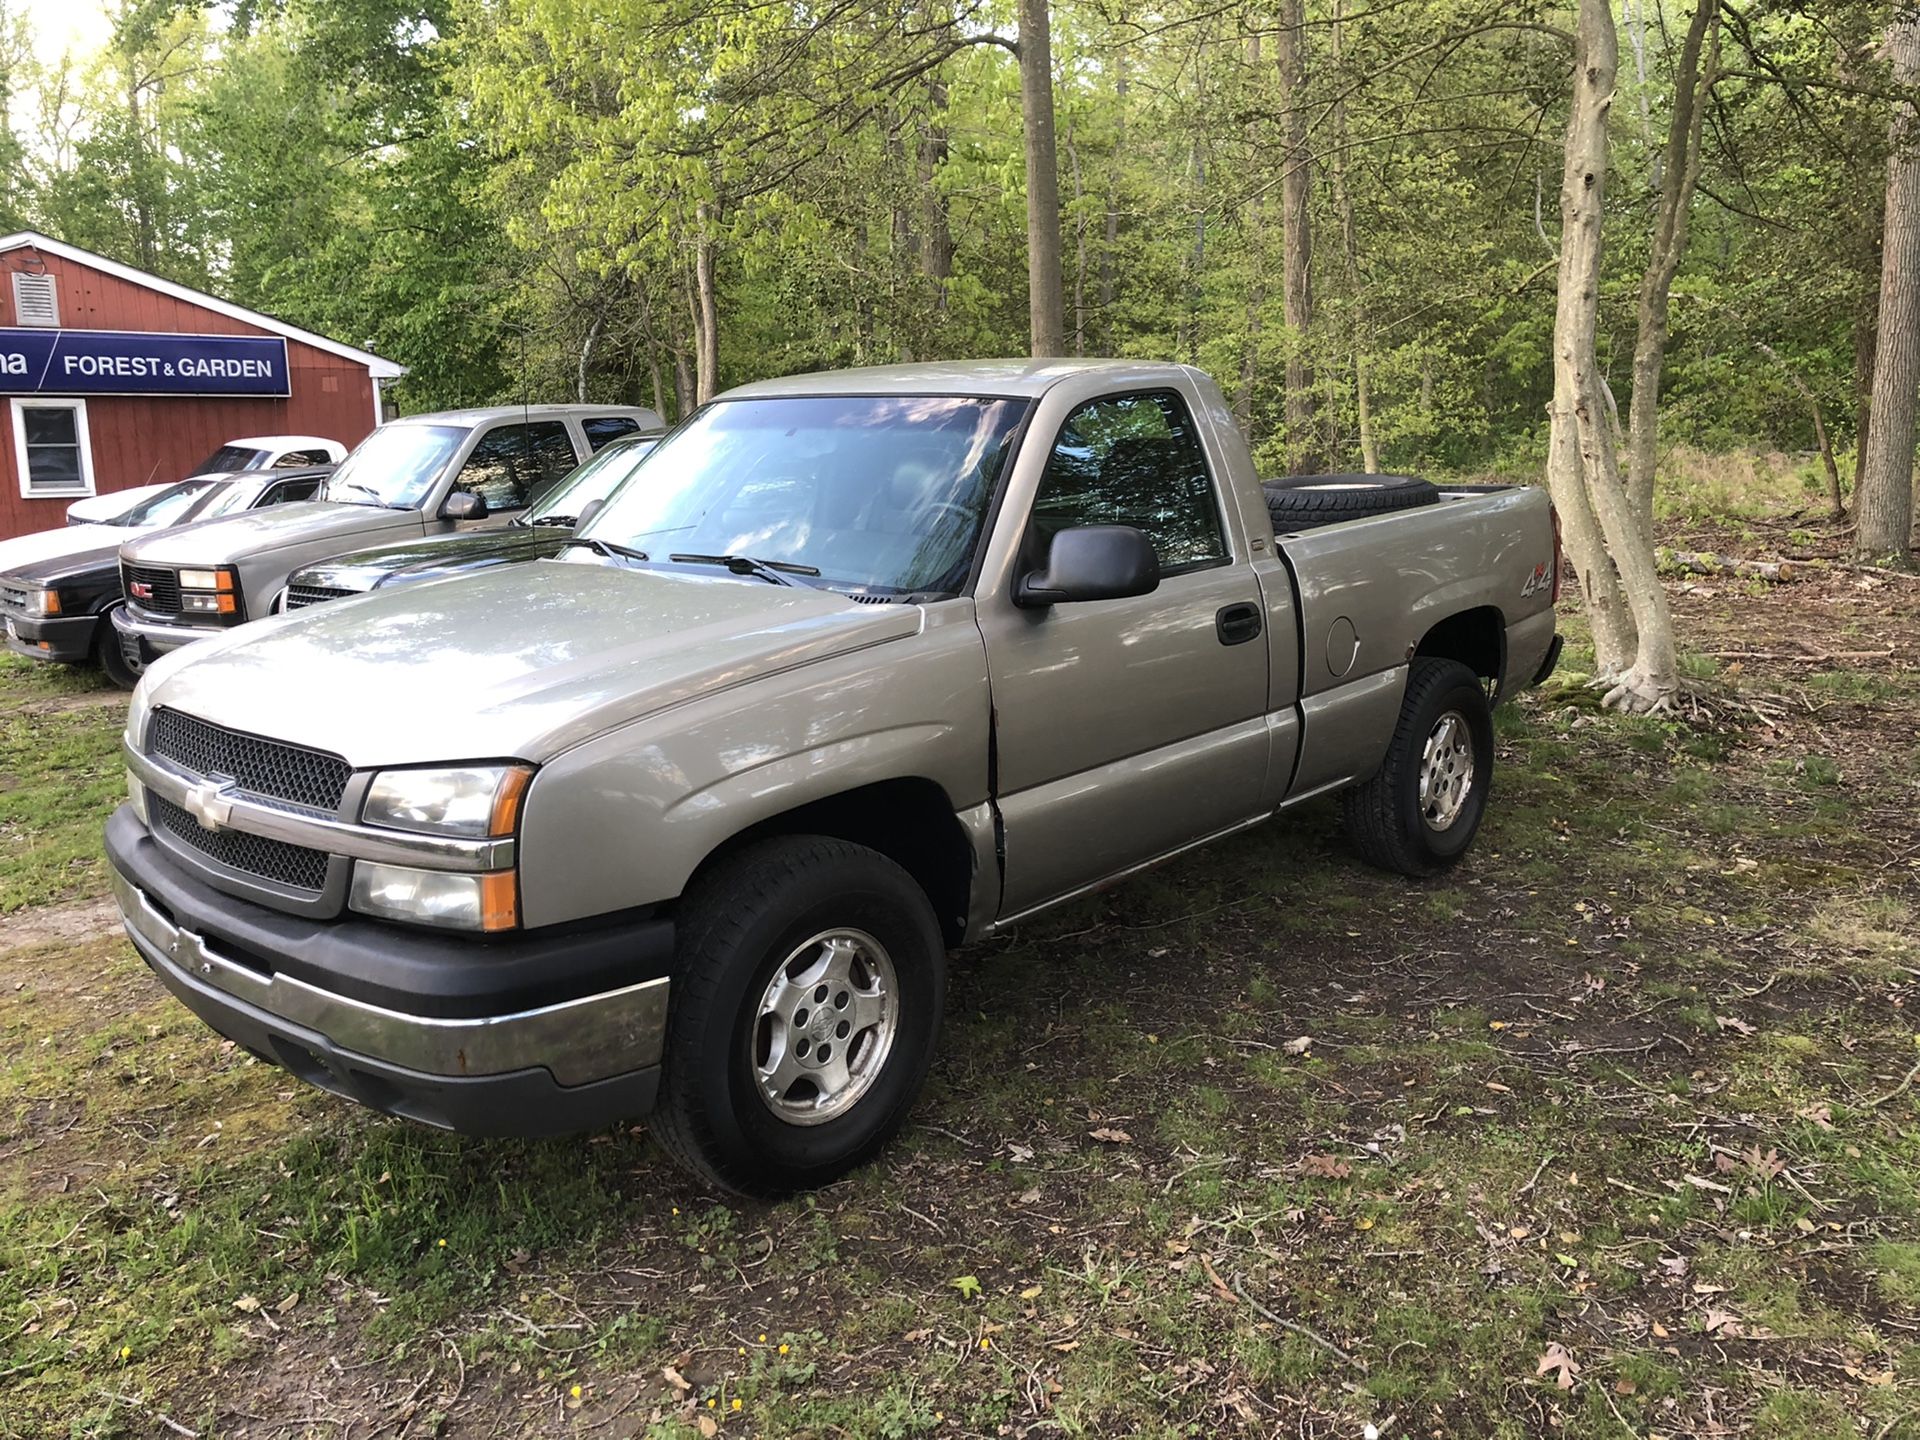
[464, 505]
[1092, 562]
[587, 512]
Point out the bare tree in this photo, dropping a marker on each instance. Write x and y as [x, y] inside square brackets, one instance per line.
[1883, 501]
[1676, 179]
[1296, 227]
[1350, 253]
[1601, 527]
[1046, 304]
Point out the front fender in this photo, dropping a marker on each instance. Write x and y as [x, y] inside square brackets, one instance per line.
[624, 819]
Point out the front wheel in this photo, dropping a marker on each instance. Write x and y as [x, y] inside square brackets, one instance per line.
[1418, 815]
[113, 660]
[807, 996]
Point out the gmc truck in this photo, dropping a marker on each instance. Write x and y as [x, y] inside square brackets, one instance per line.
[686, 819]
[424, 475]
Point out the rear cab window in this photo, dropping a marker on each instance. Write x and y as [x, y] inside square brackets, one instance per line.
[599, 429]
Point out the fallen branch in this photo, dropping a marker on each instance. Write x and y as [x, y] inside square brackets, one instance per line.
[1697, 562]
[1899, 1089]
[1801, 657]
[1285, 1324]
[161, 1416]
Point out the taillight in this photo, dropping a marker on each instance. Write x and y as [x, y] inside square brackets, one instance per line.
[1556, 553]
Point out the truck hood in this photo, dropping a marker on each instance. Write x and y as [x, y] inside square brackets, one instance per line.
[257, 532]
[99, 559]
[50, 544]
[433, 557]
[520, 662]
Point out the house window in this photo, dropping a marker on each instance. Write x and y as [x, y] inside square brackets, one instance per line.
[35, 306]
[50, 447]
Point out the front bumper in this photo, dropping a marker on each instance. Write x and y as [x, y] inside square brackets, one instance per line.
[65, 638]
[143, 640]
[533, 1035]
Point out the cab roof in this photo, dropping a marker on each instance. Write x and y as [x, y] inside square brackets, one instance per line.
[1013, 378]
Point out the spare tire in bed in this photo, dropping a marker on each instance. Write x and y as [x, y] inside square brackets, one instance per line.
[1300, 502]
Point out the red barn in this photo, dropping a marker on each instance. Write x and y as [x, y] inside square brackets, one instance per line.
[112, 377]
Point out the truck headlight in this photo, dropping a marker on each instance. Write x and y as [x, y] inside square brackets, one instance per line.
[43, 600]
[474, 801]
[450, 899]
[210, 592]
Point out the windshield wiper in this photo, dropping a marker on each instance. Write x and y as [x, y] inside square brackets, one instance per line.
[775, 570]
[604, 547]
[365, 490]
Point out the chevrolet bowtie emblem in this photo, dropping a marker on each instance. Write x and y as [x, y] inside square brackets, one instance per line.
[211, 803]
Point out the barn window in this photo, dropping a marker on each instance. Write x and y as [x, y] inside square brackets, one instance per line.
[51, 449]
[34, 303]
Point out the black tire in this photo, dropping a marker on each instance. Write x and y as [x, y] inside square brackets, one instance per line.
[112, 660]
[1302, 502]
[737, 925]
[1384, 816]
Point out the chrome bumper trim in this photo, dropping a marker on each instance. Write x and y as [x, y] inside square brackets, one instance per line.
[577, 1041]
[315, 832]
[160, 635]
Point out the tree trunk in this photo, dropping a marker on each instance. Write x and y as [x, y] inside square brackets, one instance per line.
[1883, 498]
[1821, 438]
[1045, 304]
[1296, 183]
[1110, 237]
[1692, 85]
[1079, 249]
[1584, 465]
[1350, 252]
[936, 258]
[706, 369]
[586, 351]
[1256, 229]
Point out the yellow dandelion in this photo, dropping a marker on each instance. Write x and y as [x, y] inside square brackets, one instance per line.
[784, 1349]
[575, 1392]
[736, 1402]
[985, 1343]
[441, 1243]
[741, 1351]
[763, 1339]
[676, 1209]
[712, 1404]
[126, 1352]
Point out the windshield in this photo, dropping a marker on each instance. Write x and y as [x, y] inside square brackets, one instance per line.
[395, 466]
[230, 458]
[232, 496]
[169, 507]
[595, 480]
[877, 492]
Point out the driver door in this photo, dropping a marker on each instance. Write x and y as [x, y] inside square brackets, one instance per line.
[1126, 729]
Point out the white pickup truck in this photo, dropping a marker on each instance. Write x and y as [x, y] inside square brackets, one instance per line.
[873, 664]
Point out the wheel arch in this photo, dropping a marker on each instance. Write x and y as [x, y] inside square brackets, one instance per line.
[1475, 637]
[908, 819]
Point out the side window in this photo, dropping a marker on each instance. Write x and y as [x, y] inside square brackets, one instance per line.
[1134, 460]
[297, 459]
[496, 468]
[550, 454]
[288, 491]
[602, 428]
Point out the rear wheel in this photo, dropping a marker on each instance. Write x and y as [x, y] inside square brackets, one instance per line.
[807, 998]
[1419, 814]
[112, 660]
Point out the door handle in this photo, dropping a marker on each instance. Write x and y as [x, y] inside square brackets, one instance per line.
[1237, 624]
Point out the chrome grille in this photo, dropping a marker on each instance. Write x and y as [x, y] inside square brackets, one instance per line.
[275, 860]
[162, 586]
[13, 597]
[269, 769]
[301, 596]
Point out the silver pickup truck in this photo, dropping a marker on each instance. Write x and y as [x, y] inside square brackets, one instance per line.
[877, 663]
[424, 475]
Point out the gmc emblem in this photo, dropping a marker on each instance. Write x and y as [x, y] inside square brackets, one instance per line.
[140, 590]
